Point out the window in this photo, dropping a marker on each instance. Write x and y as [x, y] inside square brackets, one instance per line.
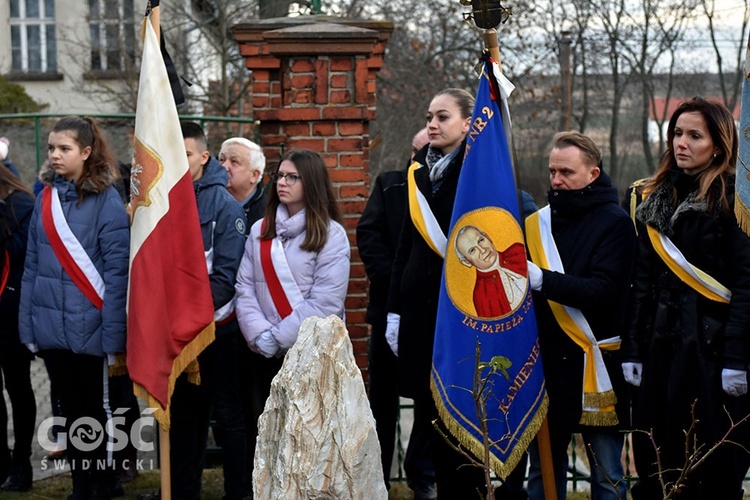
[112, 34]
[32, 36]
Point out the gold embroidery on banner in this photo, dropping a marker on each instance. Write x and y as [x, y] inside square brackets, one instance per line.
[146, 171]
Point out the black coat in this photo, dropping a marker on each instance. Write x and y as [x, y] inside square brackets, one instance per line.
[255, 207]
[377, 238]
[415, 281]
[15, 215]
[684, 339]
[596, 242]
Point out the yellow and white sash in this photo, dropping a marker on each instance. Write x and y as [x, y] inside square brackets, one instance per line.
[696, 279]
[598, 396]
[422, 217]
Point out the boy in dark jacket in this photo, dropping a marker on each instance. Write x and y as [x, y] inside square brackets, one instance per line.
[223, 229]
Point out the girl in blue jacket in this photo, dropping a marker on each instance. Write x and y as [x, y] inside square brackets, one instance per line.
[73, 291]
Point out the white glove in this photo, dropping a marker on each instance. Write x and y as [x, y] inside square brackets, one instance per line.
[734, 382]
[267, 345]
[4, 146]
[393, 321]
[632, 373]
[535, 276]
[111, 359]
[32, 347]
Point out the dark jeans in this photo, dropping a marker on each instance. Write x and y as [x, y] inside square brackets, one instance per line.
[384, 403]
[190, 412]
[192, 406]
[257, 374]
[121, 396]
[83, 385]
[220, 372]
[455, 476]
[15, 362]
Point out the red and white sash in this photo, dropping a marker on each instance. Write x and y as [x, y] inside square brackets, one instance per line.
[68, 250]
[4, 273]
[285, 293]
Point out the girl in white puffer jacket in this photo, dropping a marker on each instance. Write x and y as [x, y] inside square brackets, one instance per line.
[296, 265]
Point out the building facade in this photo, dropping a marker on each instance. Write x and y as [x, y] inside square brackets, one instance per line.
[76, 56]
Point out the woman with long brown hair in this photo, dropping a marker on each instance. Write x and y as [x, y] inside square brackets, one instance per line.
[301, 246]
[16, 205]
[74, 288]
[687, 346]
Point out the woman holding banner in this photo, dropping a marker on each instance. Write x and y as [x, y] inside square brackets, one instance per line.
[687, 344]
[74, 288]
[415, 280]
[296, 265]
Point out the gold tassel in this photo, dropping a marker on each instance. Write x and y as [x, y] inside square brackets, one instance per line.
[476, 447]
[742, 212]
[120, 367]
[188, 355]
[599, 418]
[193, 372]
[599, 399]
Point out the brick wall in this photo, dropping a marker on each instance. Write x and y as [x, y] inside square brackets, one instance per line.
[313, 86]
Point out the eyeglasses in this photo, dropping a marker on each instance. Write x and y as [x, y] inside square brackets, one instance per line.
[291, 179]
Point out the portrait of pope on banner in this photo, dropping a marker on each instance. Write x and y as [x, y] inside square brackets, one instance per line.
[500, 276]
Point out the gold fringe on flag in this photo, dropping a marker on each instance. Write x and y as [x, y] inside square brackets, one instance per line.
[599, 399]
[601, 418]
[742, 212]
[188, 355]
[476, 447]
[120, 367]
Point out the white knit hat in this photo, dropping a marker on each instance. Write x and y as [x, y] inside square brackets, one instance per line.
[4, 146]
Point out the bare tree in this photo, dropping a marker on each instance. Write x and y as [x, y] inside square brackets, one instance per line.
[208, 56]
[659, 26]
[431, 48]
[729, 78]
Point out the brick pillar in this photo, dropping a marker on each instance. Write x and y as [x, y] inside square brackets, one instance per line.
[313, 86]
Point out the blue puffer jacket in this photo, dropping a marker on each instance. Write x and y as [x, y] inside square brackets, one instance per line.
[54, 313]
[15, 214]
[223, 229]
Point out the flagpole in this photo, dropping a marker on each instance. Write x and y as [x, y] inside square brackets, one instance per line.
[490, 42]
[166, 467]
[493, 47]
[164, 445]
[543, 437]
[545, 458]
[155, 20]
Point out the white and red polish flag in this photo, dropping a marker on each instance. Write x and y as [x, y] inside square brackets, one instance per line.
[170, 309]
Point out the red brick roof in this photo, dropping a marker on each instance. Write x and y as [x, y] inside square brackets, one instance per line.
[674, 102]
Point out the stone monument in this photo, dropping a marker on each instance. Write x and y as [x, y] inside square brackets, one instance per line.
[316, 436]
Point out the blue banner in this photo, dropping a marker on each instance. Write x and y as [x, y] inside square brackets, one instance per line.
[742, 200]
[486, 344]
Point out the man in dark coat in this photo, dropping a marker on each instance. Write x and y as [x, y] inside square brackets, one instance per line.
[223, 230]
[377, 238]
[595, 240]
[245, 163]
